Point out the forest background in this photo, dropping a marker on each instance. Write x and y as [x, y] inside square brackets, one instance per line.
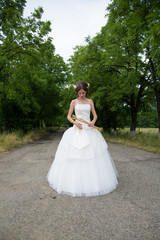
[121, 63]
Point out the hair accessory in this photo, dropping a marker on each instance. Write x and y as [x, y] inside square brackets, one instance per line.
[79, 85]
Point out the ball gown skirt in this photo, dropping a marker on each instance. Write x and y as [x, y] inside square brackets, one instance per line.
[83, 165]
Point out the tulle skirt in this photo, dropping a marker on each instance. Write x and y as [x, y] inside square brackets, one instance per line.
[83, 165]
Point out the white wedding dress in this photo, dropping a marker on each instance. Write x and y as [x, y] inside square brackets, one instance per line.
[82, 165]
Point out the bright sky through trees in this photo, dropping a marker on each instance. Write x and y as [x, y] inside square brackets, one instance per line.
[72, 21]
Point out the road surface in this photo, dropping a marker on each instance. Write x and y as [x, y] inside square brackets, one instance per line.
[31, 210]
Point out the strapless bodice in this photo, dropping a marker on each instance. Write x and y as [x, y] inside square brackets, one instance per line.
[83, 111]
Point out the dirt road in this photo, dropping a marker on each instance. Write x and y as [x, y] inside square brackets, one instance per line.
[31, 210]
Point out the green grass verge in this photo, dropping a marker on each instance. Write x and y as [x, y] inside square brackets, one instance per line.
[17, 138]
[145, 138]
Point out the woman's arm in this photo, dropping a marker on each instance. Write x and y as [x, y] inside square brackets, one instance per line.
[91, 124]
[69, 116]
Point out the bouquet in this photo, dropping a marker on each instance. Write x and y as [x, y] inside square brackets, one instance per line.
[82, 120]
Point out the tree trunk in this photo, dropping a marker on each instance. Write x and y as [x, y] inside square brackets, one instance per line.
[157, 92]
[115, 123]
[3, 128]
[135, 109]
[133, 122]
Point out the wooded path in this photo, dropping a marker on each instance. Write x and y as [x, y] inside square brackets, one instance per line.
[31, 210]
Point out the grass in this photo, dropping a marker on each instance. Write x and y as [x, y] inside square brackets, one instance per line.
[145, 138]
[17, 138]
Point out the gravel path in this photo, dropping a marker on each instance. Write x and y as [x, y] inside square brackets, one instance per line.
[31, 210]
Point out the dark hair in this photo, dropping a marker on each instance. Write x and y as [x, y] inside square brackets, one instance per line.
[81, 85]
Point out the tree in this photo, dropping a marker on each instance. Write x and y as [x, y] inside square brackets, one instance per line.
[31, 75]
[115, 61]
[142, 21]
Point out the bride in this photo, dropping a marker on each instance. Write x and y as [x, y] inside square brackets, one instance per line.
[83, 165]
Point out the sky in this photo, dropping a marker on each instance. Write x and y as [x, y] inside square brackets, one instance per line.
[72, 21]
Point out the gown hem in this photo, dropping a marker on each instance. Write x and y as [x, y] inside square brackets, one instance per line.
[92, 194]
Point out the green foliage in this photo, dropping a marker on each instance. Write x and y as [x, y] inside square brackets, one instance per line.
[147, 119]
[31, 75]
[120, 63]
[67, 94]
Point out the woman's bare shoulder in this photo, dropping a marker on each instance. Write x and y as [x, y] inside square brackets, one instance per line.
[90, 101]
[73, 102]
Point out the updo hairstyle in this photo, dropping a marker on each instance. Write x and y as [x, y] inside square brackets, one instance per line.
[81, 85]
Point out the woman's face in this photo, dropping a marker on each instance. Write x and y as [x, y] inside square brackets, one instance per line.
[81, 94]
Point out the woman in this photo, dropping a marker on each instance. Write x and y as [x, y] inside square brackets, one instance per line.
[83, 165]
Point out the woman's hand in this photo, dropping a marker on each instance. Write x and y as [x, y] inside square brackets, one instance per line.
[79, 125]
[91, 124]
